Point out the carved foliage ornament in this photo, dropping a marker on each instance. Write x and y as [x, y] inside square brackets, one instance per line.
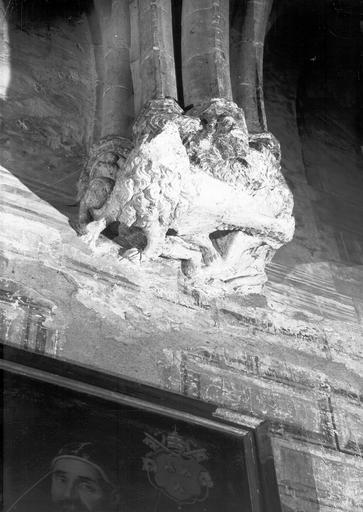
[194, 186]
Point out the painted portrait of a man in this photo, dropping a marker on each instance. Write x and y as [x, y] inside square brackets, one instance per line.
[82, 478]
[82, 481]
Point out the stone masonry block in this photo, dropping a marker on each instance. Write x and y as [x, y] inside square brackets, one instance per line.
[312, 478]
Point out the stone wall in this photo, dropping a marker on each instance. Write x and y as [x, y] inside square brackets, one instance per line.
[292, 355]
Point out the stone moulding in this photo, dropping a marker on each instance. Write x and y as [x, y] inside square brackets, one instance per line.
[192, 186]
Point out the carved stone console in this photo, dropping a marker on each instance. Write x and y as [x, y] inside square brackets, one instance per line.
[203, 185]
[195, 187]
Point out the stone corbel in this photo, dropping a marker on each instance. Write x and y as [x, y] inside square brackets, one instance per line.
[198, 186]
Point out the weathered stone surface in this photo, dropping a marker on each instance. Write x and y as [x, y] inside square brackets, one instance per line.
[348, 418]
[200, 177]
[26, 315]
[312, 479]
[103, 302]
[300, 412]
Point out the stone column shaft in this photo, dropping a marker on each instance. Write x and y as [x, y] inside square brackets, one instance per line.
[117, 92]
[249, 93]
[152, 51]
[205, 50]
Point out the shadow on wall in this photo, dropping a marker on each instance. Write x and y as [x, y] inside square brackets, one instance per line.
[311, 94]
[48, 100]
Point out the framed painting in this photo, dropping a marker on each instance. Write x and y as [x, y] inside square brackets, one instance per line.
[79, 440]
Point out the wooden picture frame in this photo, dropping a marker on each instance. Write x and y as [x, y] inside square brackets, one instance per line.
[214, 458]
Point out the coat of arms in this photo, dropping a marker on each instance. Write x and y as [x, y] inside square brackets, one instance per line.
[174, 467]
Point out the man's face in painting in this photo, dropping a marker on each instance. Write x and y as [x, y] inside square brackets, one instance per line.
[77, 486]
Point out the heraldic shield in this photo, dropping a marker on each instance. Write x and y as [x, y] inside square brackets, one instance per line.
[174, 467]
